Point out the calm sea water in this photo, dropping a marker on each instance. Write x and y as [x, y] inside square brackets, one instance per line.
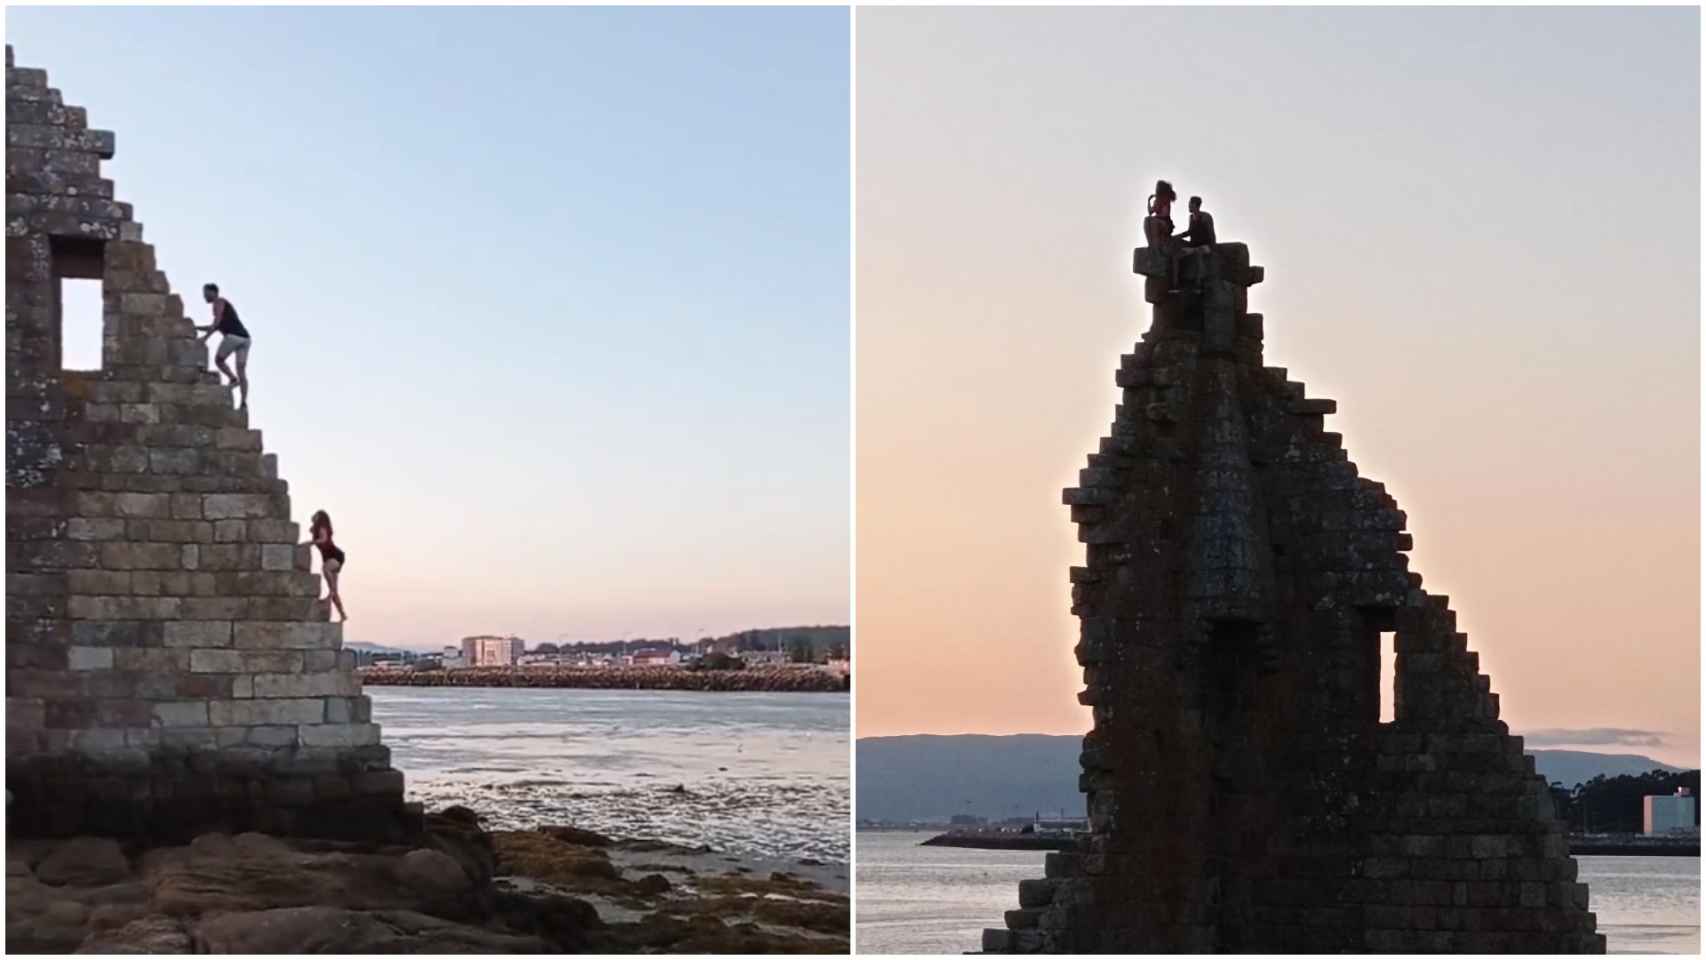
[914, 899]
[762, 774]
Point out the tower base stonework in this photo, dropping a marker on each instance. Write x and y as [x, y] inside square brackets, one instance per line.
[1243, 795]
[169, 668]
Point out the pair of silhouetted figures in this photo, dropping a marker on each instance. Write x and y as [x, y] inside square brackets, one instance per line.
[1193, 245]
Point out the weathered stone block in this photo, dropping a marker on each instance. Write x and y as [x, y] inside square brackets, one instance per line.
[97, 581]
[95, 528]
[198, 633]
[245, 661]
[1036, 893]
[378, 782]
[266, 712]
[183, 713]
[89, 658]
[141, 556]
[274, 531]
[339, 735]
[291, 792]
[288, 636]
[151, 659]
[220, 506]
[229, 556]
[115, 633]
[121, 608]
[333, 684]
[273, 736]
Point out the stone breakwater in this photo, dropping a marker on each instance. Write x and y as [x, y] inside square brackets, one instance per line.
[999, 841]
[458, 888]
[752, 679]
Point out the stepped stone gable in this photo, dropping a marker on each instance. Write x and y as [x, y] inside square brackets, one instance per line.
[168, 666]
[1243, 794]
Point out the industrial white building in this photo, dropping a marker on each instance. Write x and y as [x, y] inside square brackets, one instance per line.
[1672, 814]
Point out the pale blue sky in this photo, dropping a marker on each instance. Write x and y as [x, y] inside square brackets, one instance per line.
[549, 305]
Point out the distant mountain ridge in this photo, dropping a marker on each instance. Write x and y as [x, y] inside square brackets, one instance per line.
[1570, 767]
[930, 777]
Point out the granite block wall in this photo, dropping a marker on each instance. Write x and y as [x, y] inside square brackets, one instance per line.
[1242, 792]
[169, 666]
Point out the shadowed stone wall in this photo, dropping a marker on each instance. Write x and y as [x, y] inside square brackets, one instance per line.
[1243, 794]
[168, 666]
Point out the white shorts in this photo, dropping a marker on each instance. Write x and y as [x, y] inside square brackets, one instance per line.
[229, 345]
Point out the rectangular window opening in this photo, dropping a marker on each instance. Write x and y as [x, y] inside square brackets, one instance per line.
[78, 265]
[80, 324]
[1388, 676]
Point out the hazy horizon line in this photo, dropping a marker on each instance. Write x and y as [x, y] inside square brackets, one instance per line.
[1528, 747]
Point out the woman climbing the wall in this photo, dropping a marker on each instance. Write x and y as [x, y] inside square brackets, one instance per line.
[331, 558]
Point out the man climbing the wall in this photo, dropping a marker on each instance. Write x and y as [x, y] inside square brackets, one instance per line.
[234, 338]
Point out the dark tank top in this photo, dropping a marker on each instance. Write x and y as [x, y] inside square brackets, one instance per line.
[328, 549]
[229, 325]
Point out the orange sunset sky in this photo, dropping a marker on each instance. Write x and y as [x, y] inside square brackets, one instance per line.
[1481, 233]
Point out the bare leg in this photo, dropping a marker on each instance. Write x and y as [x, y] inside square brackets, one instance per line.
[243, 377]
[332, 588]
[220, 363]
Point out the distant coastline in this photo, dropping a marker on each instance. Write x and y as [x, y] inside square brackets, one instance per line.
[1609, 845]
[774, 679]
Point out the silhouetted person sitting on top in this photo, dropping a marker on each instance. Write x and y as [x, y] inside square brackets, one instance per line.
[1158, 226]
[1197, 240]
[1158, 229]
[1200, 232]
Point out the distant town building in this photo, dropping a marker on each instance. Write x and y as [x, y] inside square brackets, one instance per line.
[656, 658]
[1672, 814]
[492, 651]
[452, 657]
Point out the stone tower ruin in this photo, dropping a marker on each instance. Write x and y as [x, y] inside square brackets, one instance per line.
[169, 667]
[1243, 794]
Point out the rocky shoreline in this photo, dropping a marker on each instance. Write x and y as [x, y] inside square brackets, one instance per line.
[752, 679]
[459, 889]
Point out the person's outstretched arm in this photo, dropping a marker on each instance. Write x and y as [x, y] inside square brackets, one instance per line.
[218, 312]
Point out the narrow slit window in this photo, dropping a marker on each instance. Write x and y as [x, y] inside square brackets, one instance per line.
[1388, 677]
[80, 324]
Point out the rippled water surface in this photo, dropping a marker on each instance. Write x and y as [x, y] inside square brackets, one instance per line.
[914, 899]
[762, 774]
